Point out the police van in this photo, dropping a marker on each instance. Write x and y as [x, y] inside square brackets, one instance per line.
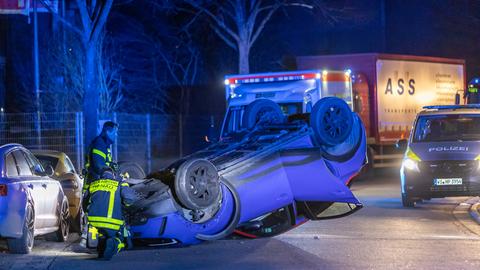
[442, 157]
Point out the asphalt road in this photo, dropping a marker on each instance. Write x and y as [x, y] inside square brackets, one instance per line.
[438, 234]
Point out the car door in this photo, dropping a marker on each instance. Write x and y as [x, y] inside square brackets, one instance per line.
[34, 186]
[51, 189]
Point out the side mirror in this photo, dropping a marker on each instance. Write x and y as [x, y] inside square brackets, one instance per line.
[49, 170]
[401, 144]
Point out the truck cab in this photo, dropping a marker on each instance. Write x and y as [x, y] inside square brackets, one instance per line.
[295, 92]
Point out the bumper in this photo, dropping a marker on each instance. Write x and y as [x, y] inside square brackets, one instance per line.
[422, 184]
[11, 224]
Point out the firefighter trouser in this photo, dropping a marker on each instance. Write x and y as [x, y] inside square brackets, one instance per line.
[110, 244]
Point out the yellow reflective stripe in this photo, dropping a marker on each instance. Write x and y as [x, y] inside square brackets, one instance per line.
[125, 184]
[105, 225]
[104, 185]
[100, 153]
[106, 220]
[411, 155]
[110, 204]
[478, 157]
[93, 231]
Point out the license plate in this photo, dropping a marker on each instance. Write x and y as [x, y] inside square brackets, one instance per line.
[447, 181]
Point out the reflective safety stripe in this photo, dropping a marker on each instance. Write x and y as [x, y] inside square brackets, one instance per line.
[125, 184]
[111, 201]
[100, 153]
[104, 185]
[106, 220]
[105, 225]
[93, 231]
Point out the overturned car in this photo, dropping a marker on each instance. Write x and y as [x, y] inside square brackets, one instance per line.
[269, 172]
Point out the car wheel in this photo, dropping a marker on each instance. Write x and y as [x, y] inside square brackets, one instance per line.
[197, 184]
[24, 244]
[61, 234]
[262, 111]
[345, 150]
[407, 201]
[133, 169]
[331, 120]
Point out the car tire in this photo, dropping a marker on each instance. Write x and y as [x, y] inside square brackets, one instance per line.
[345, 150]
[61, 234]
[264, 111]
[197, 184]
[407, 201]
[134, 170]
[24, 244]
[331, 120]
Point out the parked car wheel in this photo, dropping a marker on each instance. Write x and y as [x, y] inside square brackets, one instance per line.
[331, 120]
[24, 244]
[61, 234]
[262, 111]
[197, 184]
[407, 201]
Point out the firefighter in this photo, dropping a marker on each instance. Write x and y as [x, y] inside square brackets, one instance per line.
[99, 156]
[107, 197]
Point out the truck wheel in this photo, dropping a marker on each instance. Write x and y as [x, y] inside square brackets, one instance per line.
[331, 120]
[262, 111]
[197, 184]
[24, 244]
[345, 150]
[134, 170]
[407, 201]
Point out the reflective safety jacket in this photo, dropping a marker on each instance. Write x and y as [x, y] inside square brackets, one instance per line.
[105, 206]
[99, 158]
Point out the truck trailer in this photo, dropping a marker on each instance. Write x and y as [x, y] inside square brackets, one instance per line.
[389, 90]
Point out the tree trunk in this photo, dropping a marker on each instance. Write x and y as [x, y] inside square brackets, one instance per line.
[91, 94]
[243, 58]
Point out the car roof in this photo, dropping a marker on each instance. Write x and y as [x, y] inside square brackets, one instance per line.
[449, 111]
[51, 153]
[7, 147]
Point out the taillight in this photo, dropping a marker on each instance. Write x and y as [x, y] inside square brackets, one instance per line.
[3, 190]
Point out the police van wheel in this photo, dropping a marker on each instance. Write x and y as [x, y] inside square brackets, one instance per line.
[331, 120]
[262, 111]
[407, 201]
[197, 184]
[61, 234]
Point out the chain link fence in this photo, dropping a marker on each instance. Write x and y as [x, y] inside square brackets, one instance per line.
[152, 141]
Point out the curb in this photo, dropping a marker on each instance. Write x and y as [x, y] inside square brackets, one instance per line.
[474, 212]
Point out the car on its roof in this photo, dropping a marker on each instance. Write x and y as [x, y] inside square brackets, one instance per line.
[31, 203]
[71, 181]
[442, 155]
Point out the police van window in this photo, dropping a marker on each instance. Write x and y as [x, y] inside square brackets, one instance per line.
[437, 128]
[10, 166]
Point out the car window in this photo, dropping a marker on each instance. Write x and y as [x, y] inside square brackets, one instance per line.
[455, 127]
[10, 166]
[48, 161]
[22, 164]
[69, 165]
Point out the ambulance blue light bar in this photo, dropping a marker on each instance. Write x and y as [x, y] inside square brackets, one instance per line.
[452, 107]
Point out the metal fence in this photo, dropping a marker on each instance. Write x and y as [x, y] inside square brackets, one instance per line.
[152, 141]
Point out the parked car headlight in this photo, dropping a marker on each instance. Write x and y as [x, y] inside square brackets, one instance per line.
[410, 164]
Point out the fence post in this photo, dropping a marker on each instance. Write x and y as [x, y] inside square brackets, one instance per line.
[149, 145]
[115, 143]
[78, 138]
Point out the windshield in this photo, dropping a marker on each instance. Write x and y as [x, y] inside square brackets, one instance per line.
[455, 127]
